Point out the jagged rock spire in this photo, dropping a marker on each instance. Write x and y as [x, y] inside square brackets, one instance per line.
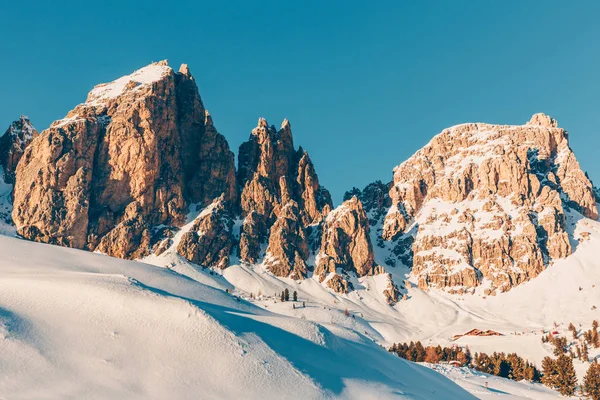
[13, 144]
[271, 174]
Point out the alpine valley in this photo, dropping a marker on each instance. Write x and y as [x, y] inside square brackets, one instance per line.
[142, 259]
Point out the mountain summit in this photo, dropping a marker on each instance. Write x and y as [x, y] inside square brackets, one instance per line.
[132, 157]
[481, 206]
[485, 205]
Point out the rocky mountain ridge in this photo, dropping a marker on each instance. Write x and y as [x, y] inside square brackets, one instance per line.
[120, 174]
[13, 143]
[480, 207]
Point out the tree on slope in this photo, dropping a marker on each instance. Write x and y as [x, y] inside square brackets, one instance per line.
[567, 379]
[432, 356]
[573, 330]
[591, 381]
[550, 373]
[295, 296]
[287, 294]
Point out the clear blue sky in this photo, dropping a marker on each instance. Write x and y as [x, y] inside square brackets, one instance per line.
[364, 84]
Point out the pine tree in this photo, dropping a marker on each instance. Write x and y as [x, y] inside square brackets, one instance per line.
[585, 352]
[461, 357]
[567, 379]
[287, 294]
[573, 330]
[468, 356]
[419, 352]
[501, 368]
[550, 373]
[560, 345]
[282, 297]
[295, 296]
[411, 354]
[431, 355]
[591, 381]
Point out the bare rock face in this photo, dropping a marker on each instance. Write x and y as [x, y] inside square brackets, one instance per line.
[337, 284]
[13, 144]
[345, 243]
[486, 204]
[391, 292]
[253, 233]
[209, 242]
[280, 196]
[288, 246]
[133, 156]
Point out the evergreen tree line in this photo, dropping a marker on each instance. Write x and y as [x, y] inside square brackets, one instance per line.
[511, 366]
[558, 374]
[415, 351]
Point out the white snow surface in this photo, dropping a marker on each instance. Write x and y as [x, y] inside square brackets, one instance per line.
[485, 386]
[76, 324]
[565, 292]
[143, 76]
[79, 325]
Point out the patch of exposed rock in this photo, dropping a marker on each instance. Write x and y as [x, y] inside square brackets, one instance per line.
[209, 241]
[280, 196]
[486, 203]
[345, 246]
[132, 157]
[391, 292]
[13, 144]
[288, 246]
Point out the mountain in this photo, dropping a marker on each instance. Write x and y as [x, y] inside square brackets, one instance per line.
[482, 206]
[134, 156]
[488, 227]
[80, 325]
[121, 172]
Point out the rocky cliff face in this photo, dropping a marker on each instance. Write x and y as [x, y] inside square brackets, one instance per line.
[133, 156]
[346, 249]
[280, 198]
[209, 242]
[13, 144]
[480, 206]
[485, 205]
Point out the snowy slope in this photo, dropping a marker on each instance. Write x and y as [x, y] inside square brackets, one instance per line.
[548, 302]
[81, 325]
[475, 382]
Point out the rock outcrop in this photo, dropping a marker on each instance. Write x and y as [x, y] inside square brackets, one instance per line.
[13, 144]
[391, 292]
[135, 155]
[288, 245]
[280, 197]
[480, 206]
[486, 204]
[209, 241]
[345, 243]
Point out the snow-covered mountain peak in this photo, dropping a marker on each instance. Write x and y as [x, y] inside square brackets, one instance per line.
[142, 77]
[484, 205]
